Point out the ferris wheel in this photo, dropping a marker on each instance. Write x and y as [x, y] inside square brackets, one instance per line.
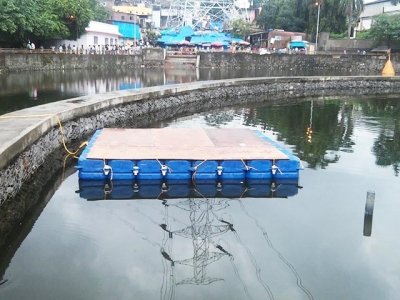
[209, 14]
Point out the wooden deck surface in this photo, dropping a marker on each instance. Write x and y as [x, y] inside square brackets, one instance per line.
[182, 143]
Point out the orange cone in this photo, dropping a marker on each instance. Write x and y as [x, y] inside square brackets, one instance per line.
[388, 69]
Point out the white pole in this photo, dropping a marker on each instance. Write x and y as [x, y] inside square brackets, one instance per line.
[134, 31]
[316, 37]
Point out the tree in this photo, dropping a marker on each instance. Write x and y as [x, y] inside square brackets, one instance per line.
[353, 9]
[240, 28]
[280, 14]
[267, 17]
[17, 17]
[331, 19]
[23, 20]
[100, 13]
[301, 15]
[385, 29]
[152, 36]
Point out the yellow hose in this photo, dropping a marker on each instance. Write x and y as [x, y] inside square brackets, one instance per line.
[59, 124]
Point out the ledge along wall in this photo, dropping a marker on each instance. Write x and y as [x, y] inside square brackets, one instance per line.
[155, 57]
[14, 62]
[26, 144]
[332, 62]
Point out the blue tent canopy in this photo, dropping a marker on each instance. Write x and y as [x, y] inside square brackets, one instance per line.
[236, 40]
[198, 40]
[182, 31]
[169, 31]
[128, 30]
[297, 44]
[168, 39]
[186, 31]
[209, 39]
[164, 39]
[170, 36]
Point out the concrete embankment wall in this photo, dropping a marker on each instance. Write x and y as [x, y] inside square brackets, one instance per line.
[349, 63]
[155, 57]
[325, 43]
[26, 144]
[14, 62]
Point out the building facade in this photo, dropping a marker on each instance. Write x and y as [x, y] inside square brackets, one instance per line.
[96, 34]
[373, 9]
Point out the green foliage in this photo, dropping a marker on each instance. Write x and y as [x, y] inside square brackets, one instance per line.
[365, 34]
[312, 128]
[361, 35]
[100, 13]
[302, 15]
[385, 30]
[23, 20]
[386, 147]
[352, 9]
[338, 35]
[280, 14]
[240, 28]
[152, 36]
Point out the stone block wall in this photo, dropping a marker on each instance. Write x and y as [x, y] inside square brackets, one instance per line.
[15, 62]
[348, 62]
[325, 43]
[154, 57]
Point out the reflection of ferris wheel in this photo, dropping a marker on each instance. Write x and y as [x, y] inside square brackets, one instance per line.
[202, 13]
[203, 228]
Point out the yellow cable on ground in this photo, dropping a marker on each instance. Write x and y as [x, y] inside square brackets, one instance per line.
[59, 124]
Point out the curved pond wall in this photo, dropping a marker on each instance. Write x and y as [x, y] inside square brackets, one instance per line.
[27, 142]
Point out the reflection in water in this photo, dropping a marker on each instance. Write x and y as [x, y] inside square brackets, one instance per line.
[21, 90]
[227, 247]
[387, 144]
[328, 126]
[271, 245]
[205, 226]
[27, 89]
[161, 189]
[201, 232]
[207, 223]
[33, 94]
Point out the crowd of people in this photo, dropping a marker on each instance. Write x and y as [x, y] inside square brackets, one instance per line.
[100, 49]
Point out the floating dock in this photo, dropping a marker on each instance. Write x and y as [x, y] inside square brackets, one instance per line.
[190, 154]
